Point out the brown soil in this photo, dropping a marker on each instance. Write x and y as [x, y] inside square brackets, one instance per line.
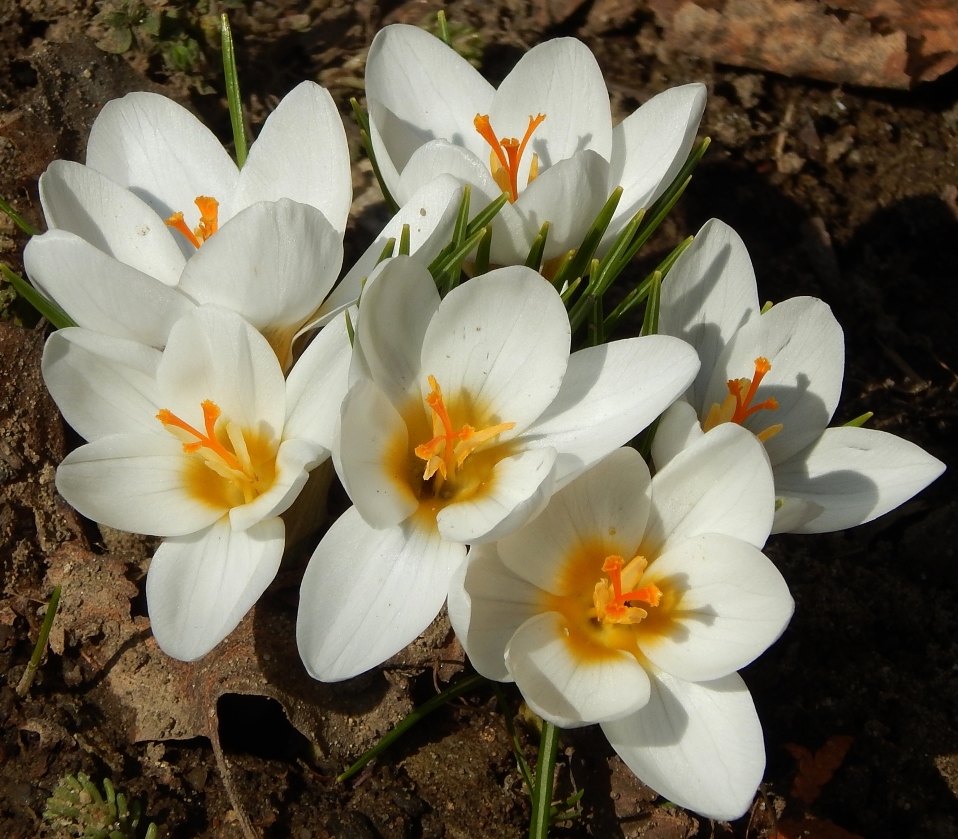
[847, 194]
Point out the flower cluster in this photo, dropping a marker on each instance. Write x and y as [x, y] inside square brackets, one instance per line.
[220, 355]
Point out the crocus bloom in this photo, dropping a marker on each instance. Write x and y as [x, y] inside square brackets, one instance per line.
[204, 444]
[631, 602]
[160, 219]
[779, 374]
[462, 418]
[545, 137]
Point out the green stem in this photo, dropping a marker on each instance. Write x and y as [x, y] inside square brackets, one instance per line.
[233, 91]
[27, 679]
[451, 692]
[542, 792]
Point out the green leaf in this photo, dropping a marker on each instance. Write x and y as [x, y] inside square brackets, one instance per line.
[404, 241]
[858, 422]
[451, 692]
[362, 120]
[482, 253]
[577, 265]
[542, 790]
[486, 215]
[233, 91]
[534, 260]
[443, 28]
[650, 323]
[17, 219]
[47, 308]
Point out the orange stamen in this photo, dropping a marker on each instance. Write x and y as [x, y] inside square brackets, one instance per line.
[650, 594]
[209, 221]
[211, 414]
[508, 152]
[442, 453]
[743, 407]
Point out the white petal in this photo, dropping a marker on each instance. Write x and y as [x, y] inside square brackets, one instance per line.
[677, 430]
[709, 295]
[300, 153]
[606, 507]
[373, 453]
[81, 200]
[805, 346]
[609, 394]
[162, 153]
[316, 386]
[562, 80]
[397, 306]
[441, 156]
[430, 88]
[294, 460]
[568, 195]
[431, 216]
[503, 339]
[565, 687]
[519, 488]
[487, 603]
[733, 604]
[698, 745]
[367, 593]
[720, 484]
[199, 587]
[855, 475]
[214, 354]
[101, 293]
[135, 482]
[102, 385]
[273, 263]
[650, 146]
[792, 512]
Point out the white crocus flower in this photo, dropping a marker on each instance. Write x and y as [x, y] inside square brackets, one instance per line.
[632, 602]
[204, 444]
[779, 374]
[545, 137]
[462, 419]
[160, 218]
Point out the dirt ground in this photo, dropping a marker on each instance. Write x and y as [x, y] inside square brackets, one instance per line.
[844, 193]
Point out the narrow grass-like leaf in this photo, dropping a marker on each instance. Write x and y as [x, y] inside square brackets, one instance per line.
[858, 422]
[451, 692]
[506, 710]
[570, 291]
[650, 323]
[452, 267]
[534, 259]
[482, 253]
[363, 121]
[27, 679]
[404, 241]
[486, 214]
[47, 308]
[584, 253]
[350, 331]
[768, 305]
[641, 291]
[443, 26]
[644, 444]
[233, 91]
[542, 789]
[17, 219]
[387, 250]
[595, 333]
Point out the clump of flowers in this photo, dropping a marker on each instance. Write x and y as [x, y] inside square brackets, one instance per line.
[475, 417]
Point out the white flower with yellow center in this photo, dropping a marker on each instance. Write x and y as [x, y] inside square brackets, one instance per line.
[205, 444]
[160, 219]
[545, 137]
[632, 602]
[778, 374]
[463, 417]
